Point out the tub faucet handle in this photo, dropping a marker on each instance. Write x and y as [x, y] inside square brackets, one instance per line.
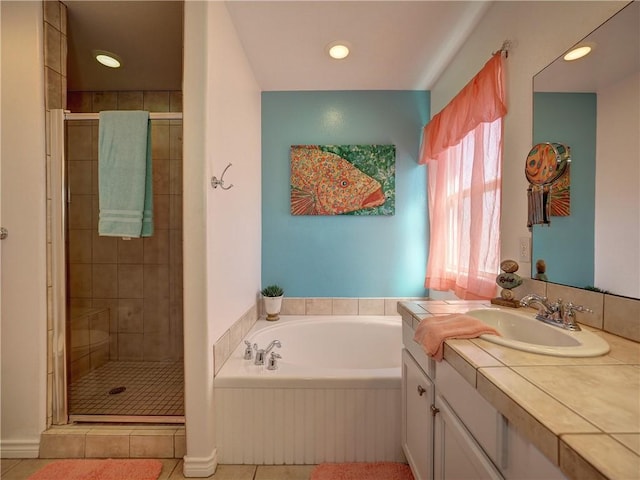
[273, 361]
[248, 351]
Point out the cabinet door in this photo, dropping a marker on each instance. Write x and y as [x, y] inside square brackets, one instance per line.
[417, 420]
[457, 456]
[521, 460]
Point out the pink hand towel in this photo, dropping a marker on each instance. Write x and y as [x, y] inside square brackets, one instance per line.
[433, 331]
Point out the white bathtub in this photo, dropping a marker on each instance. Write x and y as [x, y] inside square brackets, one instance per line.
[335, 396]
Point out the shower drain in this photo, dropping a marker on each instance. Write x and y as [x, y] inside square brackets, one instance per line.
[116, 390]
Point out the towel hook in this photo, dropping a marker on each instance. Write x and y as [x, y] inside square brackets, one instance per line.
[215, 183]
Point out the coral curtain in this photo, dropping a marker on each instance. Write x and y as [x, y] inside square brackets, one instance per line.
[462, 147]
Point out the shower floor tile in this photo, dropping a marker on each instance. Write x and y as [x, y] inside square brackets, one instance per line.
[151, 388]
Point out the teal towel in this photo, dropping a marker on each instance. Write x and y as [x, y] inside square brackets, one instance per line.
[124, 174]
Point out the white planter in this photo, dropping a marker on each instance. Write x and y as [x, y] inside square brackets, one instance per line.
[272, 306]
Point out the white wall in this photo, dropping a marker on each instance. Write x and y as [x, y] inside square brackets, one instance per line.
[221, 227]
[233, 135]
[539, 32]
[23, 326]
[617, 217]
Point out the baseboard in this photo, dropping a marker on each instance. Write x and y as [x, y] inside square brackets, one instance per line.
[20, 448]
[200, 467]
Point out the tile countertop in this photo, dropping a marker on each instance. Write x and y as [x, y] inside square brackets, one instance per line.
[582, 413]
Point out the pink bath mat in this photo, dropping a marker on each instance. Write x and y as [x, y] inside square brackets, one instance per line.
[362, 471]
[109, 469]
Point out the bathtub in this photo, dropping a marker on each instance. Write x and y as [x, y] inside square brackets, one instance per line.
[335, 396]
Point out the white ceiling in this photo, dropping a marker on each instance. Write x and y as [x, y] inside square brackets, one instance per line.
[615, 55]
[396, 45]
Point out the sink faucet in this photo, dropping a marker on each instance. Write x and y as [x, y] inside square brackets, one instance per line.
[262, 353]
[558, 314]
[545, 309]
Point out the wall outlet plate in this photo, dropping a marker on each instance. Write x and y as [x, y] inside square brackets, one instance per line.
[524, 249]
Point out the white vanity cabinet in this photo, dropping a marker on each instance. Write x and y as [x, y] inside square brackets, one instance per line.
[451, 432]
[417, 417]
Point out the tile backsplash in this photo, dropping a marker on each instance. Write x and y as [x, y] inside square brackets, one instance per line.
[342, 306]
[611, 313]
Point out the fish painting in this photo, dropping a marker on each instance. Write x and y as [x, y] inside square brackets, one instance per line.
[324, 183]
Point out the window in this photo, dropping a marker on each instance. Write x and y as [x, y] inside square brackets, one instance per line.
[462, 147]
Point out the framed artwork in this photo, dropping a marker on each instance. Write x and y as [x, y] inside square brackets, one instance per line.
[343, 179]
[560, 195]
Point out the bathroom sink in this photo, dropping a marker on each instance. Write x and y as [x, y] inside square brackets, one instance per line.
[520, 330]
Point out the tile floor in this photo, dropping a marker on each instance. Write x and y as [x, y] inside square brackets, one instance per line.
[17, 469]
[152, 388]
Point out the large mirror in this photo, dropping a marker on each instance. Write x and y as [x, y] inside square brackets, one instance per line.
[593, 105]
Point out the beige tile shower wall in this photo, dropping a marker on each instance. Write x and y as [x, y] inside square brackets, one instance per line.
[55, 71]
[89, 340]
[55, 53]
[138, 280]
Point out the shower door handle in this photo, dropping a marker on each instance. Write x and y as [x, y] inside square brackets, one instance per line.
[4, 233]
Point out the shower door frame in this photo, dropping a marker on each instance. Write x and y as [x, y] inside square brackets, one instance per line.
[58, 295]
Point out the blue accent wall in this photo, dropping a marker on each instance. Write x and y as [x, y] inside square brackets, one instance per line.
[344, 255]
[567, 245]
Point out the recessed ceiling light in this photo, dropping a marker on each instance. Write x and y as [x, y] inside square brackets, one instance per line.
[338, 50]
[577, 53]
[107, 58]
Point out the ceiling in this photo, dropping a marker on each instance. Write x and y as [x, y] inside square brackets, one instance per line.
[395, 45]
[147, 36]
[615, 55]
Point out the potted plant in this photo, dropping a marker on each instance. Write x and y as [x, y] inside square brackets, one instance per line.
[272, 296]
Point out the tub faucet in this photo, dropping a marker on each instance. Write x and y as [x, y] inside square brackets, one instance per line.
[558, 314]
[262, 353]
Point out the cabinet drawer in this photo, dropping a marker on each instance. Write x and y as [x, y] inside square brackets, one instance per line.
[426, 363]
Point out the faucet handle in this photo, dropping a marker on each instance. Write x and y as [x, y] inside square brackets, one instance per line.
[570, 307]
[273, 361]
[248, 351]
[569, 315]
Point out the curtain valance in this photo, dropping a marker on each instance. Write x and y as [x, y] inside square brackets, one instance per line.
[482, 100]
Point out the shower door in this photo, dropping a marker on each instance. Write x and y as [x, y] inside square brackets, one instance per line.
[123, 321]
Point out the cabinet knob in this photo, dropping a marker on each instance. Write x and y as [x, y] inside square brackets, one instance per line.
[421, 390]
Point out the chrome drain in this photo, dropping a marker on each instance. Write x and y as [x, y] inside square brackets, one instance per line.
[116, 390]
